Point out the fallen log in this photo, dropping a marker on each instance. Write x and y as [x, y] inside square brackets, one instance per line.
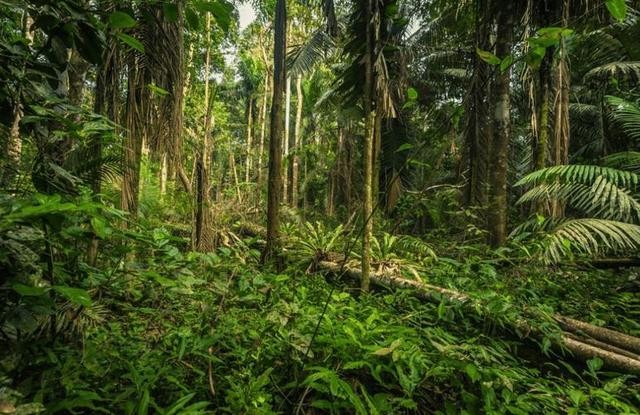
[617, 355]
[615, 338]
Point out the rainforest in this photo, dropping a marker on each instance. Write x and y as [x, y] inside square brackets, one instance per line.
[317, 207]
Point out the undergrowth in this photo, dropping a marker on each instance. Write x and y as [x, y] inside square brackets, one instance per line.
[155, 330]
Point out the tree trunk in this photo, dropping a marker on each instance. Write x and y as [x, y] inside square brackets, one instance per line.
[287, 123]
[561, 89]
[203, 236]
[247, 168]
[13, 150]
[542, 142]
[369, 146]
[502, 130]
[275, 145]
[618, 354]
[263, 127]
[132, 145]
[478, 125]
[295, 167]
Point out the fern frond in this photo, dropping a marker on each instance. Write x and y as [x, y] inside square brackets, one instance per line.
[302, 58]
[581, 173]
[629, 71]
[591, 237]
[627, 115]
[628, 160]
[602, 199]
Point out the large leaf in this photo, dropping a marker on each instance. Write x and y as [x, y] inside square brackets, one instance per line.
[617, 8]
[131, 41]
[28, 291]
[220, 9]
[488, 57]
[121, 20]
[75, 295]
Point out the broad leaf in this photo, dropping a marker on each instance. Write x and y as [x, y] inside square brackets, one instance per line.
[131, 41]
[617, 8]
[75, 295]
[28, 291]
[121, 20]
[488, 57]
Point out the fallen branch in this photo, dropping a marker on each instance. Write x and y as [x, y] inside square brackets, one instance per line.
[618, 354]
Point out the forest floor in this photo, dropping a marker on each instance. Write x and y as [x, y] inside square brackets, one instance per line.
[172, 333]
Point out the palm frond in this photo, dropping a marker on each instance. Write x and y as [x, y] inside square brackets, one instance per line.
[628, 160]
[602, 199]
[627, 115]
[580, 173]
[591, 237]
[302, 58]
[628, 71]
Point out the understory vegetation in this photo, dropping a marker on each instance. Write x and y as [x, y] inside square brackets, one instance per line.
[319, 207]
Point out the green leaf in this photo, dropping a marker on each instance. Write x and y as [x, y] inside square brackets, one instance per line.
[388, 350]
[28, 291]
[220, 9]
[131, 41]
[100, 227]
[472, 372]
[404, 147]
[506, 63]
[75, 295]
[617, 8]
[595, 364]
[121, 20]
[488, 57]
[170, 12]
[157, 90]
[412, 94]
[193, 21]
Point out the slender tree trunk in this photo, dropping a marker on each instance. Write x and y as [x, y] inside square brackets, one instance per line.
[247, 168]
[14, 142]
[561, 88]
[369, 146]
[236, 180]
[132, 146]
[296, 144]
[287, 123]
[203, 237]
[275, 145]
[502, 130]
[478, 123]
[263, 127]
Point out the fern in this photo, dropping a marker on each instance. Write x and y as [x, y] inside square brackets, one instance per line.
[579, 173]
[607, 195]
[627, 115]
[592, 237]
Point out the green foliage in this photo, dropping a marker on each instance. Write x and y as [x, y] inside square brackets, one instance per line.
[608, 196]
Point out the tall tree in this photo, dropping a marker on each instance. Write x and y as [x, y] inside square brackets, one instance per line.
[276, 129]
[295, 165]
[369, 140]
[501, 128]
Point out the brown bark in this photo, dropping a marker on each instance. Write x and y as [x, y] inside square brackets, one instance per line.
[584, 349]
[275, 145]
[247, 167]
[600, 333]
[263, 127]
[478, 125]
[369, 145]
[287, 122]
[295, 167]
[502, 130]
